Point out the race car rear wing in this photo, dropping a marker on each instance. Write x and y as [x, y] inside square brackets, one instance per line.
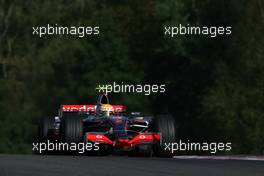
[88, 108]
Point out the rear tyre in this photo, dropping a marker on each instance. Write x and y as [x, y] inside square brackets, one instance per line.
[45, 124]
[164, 124]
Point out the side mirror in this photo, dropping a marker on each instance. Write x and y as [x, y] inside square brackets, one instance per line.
[135, 113]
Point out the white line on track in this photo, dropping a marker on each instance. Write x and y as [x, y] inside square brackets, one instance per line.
[247, 158]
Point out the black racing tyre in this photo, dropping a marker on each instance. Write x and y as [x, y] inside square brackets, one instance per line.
[45, 124]
[164, 124]
[72, 128]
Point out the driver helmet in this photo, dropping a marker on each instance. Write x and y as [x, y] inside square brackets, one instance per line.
[106, 109]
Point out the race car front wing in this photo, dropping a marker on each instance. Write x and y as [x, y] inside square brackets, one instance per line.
[124, 143]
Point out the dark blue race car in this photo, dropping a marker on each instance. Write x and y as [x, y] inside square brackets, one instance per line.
[111, 128]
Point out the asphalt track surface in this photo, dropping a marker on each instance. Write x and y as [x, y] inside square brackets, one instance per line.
[40, 165]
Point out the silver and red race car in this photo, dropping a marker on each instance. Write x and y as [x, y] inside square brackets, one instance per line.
[110, 127]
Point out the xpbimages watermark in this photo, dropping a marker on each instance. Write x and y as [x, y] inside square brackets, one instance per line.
[212, 147]
[50, 146]
[79, 31]
[146, 89]
[211, 31]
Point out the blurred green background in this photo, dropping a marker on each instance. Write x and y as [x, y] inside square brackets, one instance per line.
[215, 86]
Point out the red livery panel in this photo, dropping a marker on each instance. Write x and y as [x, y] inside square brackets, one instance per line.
[89, 108]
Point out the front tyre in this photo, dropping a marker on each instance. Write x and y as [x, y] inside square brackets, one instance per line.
[72, 129]
[164, 124]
